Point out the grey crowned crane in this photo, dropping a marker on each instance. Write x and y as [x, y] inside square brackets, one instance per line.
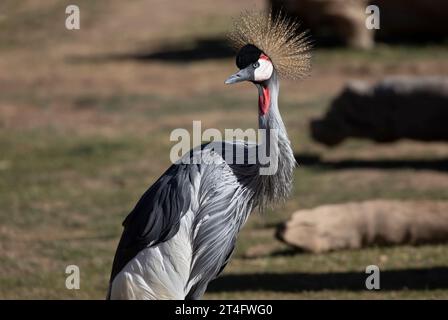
[183, 230]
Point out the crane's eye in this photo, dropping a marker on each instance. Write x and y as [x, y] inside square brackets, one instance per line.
[256, 65]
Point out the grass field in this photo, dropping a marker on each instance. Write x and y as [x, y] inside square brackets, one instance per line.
[85, 118]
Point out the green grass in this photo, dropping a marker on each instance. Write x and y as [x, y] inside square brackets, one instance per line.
[63, 197]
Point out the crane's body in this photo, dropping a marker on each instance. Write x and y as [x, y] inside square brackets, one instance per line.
[213, 207]
[183, 230]
[206, 204]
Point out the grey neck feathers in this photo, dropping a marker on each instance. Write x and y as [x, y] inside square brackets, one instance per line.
[275, 187]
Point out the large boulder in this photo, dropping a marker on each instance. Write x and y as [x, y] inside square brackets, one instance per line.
[369, 223]
[397, 107]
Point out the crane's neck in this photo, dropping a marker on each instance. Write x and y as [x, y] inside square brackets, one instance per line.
[268, 113]
[277, 183]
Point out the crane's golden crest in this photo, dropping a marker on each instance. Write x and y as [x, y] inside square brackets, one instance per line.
[278, 37]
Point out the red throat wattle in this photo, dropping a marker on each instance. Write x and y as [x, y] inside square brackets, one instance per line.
[264, 100]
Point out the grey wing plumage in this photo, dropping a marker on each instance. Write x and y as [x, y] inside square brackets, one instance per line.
[220, 198]
[156, 216]
[225, 203]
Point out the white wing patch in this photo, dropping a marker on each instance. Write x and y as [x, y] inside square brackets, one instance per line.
[159, 272]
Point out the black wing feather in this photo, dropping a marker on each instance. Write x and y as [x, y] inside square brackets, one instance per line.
[156, 216]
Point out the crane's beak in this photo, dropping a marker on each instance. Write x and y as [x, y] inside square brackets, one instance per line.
[242, 75]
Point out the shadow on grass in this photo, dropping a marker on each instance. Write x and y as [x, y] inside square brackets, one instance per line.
[200, 49]
[412, 279]
[313, 160]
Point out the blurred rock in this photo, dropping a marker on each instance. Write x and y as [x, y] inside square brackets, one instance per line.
[412, 20]
[344, 20]
[399, 107]
[358, 225]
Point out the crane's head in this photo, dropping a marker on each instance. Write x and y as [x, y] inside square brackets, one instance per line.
[269, 44]
[254, 66]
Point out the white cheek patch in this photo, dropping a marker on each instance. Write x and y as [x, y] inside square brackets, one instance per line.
[264, 71]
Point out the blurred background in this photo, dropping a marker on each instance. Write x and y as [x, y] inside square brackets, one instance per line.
[85, 119]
